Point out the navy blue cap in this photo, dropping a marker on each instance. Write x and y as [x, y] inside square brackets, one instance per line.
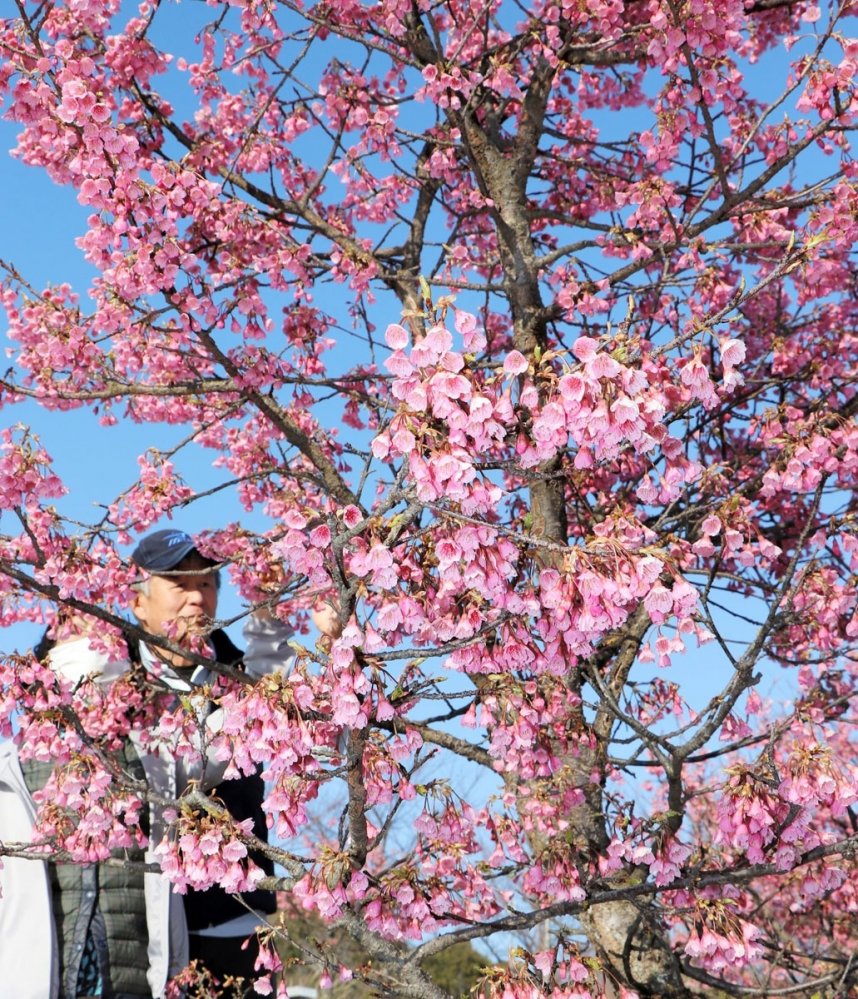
[162, 551]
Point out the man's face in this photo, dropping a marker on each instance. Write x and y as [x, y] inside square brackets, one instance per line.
[178, 606]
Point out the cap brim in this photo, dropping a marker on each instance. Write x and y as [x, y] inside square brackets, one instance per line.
[168, 560]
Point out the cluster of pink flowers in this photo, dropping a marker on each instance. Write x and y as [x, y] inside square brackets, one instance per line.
[83, 806]
[734, 946]
[201, 850]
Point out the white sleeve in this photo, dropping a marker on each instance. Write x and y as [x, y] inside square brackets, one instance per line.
[267, 648]
[76, 660]
[28, 952]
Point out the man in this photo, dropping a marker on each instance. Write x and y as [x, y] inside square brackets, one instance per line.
[179, 599]
[119, 933]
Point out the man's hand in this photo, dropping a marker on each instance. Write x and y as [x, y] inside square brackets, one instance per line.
[326, 617]
[72, 627]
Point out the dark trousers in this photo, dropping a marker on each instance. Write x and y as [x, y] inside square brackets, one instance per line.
[225, 959]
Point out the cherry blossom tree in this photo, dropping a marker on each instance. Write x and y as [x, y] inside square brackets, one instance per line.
[526, 335]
